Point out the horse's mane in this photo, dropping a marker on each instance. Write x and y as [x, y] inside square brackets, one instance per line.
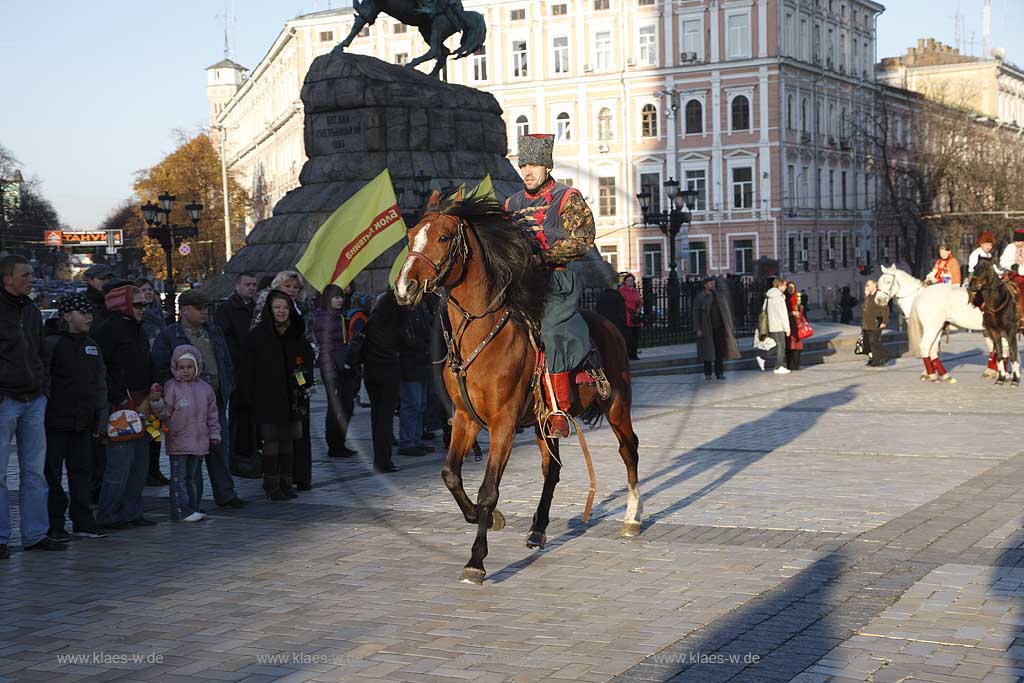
[506, 247]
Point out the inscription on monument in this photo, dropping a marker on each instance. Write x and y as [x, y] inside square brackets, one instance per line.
[340, 132]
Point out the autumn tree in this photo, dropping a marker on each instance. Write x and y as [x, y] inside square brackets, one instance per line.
[192, 172]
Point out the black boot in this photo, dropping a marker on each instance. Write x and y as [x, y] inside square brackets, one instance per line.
[287, 461]
[272, 485]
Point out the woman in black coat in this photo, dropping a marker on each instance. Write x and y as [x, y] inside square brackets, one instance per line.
[274, 380]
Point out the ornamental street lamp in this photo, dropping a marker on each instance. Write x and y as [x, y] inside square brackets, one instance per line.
[670, 223]
[170, 235]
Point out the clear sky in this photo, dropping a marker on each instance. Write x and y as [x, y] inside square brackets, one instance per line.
[93, 89]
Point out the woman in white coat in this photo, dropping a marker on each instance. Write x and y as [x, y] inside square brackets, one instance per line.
[778, 325]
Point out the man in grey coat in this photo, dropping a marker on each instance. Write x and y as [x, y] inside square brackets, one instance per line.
[712, 321]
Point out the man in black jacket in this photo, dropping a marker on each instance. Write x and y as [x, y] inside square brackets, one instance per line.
[75, 414]
[382, 375]
[24, 382]
[95, 277]
[233, 317]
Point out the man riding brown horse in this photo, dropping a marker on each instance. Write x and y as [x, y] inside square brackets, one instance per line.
[563, 227]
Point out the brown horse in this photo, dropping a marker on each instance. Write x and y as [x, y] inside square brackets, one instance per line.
[484, 260]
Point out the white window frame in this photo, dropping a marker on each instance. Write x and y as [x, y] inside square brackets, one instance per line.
[730, 239]
[650, 46]
[609, 62]
[564, 51]
[516, 123]
[651, 169]
[698, 165]
[617, 243]
[699, 46]
[731, 165]
[663, 241]
[514, 62]
[613, 173]
[477, 61]
[559, 136]
[709, 248]
[730, 48]
[685, 100]
[732, 94]
[657, 120]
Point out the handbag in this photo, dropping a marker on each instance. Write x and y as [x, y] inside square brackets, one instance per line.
[762, 321]
[860, 348]
[125, 424]
[803, 329]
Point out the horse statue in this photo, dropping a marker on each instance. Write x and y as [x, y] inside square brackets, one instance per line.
[928, 311]
[436, 21]
[494, 298]
[999, 301]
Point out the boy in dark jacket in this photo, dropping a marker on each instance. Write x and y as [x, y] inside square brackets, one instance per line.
[74, 414]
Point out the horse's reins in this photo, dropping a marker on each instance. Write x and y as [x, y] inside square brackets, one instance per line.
[453, 338]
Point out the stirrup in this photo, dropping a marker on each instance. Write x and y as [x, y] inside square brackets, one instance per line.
[546, 430]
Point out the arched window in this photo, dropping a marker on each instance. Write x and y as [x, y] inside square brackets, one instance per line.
[604, 124]
[803, 114]
[694, 117]
[789, 112]
[522, 126]
[563, 127]
[649, 121]
[740, 113]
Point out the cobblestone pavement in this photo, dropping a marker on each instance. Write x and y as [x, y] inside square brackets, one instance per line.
[836, 524]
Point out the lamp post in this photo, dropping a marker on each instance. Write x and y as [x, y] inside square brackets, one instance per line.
[670, 223]
[170, 235]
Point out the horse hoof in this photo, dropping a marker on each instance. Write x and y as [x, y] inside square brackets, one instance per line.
[497, 521]
[536, 540]
[631, 529]
[951, 380]
[473, 575]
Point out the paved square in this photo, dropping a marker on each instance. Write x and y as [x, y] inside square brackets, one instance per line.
[836, 524]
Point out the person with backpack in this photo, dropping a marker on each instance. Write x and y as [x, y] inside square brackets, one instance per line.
[75, 414]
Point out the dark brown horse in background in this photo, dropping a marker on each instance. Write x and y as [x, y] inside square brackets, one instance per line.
[483, 259]
[998, 300]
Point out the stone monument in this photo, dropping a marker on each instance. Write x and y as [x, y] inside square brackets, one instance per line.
[363, 115]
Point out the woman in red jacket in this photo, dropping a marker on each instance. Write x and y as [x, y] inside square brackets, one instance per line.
[794, 345]
[634, 302]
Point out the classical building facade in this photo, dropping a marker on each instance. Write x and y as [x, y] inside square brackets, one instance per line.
[753, 103]
[992, 87]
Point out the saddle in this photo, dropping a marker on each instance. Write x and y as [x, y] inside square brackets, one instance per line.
[591, 373]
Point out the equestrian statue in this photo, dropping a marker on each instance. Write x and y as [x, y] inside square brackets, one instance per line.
[436, 21]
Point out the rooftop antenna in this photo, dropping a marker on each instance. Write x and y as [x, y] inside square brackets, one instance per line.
[986, 29]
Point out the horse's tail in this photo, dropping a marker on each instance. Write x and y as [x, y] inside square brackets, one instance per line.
[915, 331]
[473, 35]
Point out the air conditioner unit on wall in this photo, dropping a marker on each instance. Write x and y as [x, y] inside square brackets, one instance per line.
[603, 148]
[587, 68]
[630, 62]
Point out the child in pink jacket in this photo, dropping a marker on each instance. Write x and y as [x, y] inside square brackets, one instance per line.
[188, 408]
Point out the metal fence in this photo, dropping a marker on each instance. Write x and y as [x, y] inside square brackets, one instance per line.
[743, 295]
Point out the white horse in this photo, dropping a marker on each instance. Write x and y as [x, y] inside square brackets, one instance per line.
[928, 310]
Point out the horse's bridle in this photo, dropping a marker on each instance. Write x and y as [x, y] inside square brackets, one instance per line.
[459, 247]
[892, 293]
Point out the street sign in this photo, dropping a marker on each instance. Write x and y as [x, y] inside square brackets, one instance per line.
[92, 237]
[184, 249]
[52, 238]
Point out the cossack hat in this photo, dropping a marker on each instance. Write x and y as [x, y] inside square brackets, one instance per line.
[74, 302]
[1018, 235]
[986, 237]
[537, 150]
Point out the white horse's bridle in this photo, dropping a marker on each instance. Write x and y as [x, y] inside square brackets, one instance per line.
[892, 293]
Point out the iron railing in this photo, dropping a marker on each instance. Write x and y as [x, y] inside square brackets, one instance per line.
[744, 296]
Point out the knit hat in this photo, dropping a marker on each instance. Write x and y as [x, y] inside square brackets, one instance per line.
[537, 150]
[73, 302]
[986, 237]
